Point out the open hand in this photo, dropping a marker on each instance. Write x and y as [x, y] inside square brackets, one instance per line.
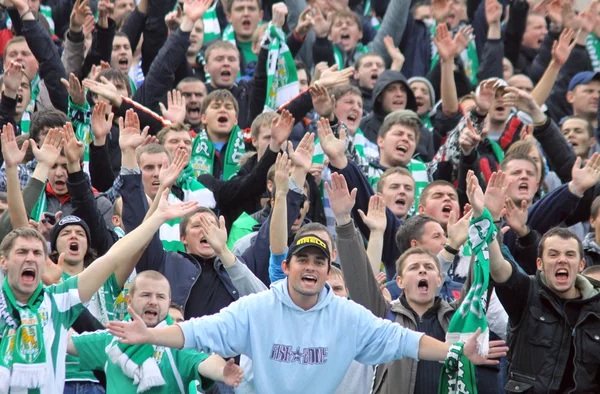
[169, 174]
[323, 103]
[53, 273]
[497, 349]
[133, 332]
[50, 150]
[130, 137]
[233, 374]
[216, 235]
[495, 194]
[561, 48]
[475, 194]
[340, 199]
[13, 156]
[282, 174]
[305, 23]
[375, 219]
[582, 178]
[516, 217]
[469, 138]
[302, 157]
[13, 75]
[74, 148]
[101, 126]
[75, 90]
[333, 147]
[176, 107]
[281, 128]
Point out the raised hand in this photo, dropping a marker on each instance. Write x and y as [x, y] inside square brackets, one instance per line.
[282, 174]
[279, 12]
[458, 230]
[105, 9]
[582, 178]
[331, 78]
[176, 107]
[169, 211]
[381, 279]
[394, 52]
[169, 174]
[151, 139]
[495, 194]
[133, 332]
[78, 15]
[493, 12]
[497, 350]
[441, 10]
[316, 170]
[523, 101]
[98, 69]
[469, 138]
[305, 23]
[516, 217]
[173, 19]
[485, 97]
[130, 137]
[281, 128]
[13, 75]
[321, 23]
[216, 236]
[475, 194]
[463, 38]
[561, 49]
[340, 199]
[195, 9]
[319, 68]
[13, 156]
[333, 147]
[375, 219]
[53, 273]
[232, 373]
[50, 150]
[302, 157]
[75, 90]
[100, 125]
[73, 148]
[323, 103]
[89, 26]
[104, 88]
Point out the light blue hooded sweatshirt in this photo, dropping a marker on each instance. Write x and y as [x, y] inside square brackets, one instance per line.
[298, 351]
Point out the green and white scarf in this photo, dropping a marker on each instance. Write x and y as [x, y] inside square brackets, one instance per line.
[22, 350]
[35, 91]
[282, 78]
[203, 154]
[468, 56]
[339, 56]
[367, 12]
[229, 35]
[192, 191]
[212, 29]
[44, 10]
[137, 361]
[81, 118]
[471, 314]
[592, 43]
[40, 206]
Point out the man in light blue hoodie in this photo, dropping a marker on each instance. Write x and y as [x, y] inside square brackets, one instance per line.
[300, 337]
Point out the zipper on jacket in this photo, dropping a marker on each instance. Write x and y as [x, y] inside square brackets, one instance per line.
[575, 351]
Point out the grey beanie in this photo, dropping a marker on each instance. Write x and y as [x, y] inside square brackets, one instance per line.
[429, 85]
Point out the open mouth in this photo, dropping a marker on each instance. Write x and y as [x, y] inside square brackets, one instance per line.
[123, 62]
[309, 279]
[156, 183]
[562, 275]
[523, 187]
[423, 286]
[374, 77]
[19, 99]
[400, 202]
[402, 148]
[398, 103]
[447, 209]
[204, 241]
[151, 314]
[74, 247]
[246, 24]
[60, 184]
[222, 120]
[352, 117]
[28, 275]
[193, 110]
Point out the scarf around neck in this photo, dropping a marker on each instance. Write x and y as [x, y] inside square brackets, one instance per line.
[203, 154]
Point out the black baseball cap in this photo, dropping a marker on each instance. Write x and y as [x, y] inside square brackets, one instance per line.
[308, 241]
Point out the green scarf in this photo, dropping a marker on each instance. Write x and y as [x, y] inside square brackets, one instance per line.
[229, 35]
[192, 191]
[426, 119]
[22, 350]
[468, 56]
[592, 43]
[212, 29]
[282, 79]
[35, 91]
[40, 206]
[471, 314]
[203, 154]
[339, 56]
[498, 152]
[137, 361]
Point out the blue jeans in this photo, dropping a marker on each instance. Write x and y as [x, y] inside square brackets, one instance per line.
[83, 388]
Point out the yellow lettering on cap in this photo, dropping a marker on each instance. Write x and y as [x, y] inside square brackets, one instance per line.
[312, 240]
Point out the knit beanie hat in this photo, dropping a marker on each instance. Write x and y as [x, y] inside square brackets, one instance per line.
[64, 222]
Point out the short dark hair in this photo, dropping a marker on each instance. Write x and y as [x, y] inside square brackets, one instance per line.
[151, 149]
[47, 118]
[412, 228]
[398, 118]
[516, 156]
[114, 75]
[189, 80]
[219, 95]
[524, 147]
[563, 233]
[340, 91]
[425, 192]
[300, 65]
[186, 218]
[229, 4]
[412, 251]
[364, 56]
[178, 127]
[347, 13]
[28, 233]
[150, 274]
[173, 305]
[589, 127]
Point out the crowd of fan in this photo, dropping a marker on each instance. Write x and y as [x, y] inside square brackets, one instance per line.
[164, 159]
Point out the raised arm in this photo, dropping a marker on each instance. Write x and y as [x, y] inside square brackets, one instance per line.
[376, 221]
[447, 48]
[127, 251]
[278, 235]
[13, 156]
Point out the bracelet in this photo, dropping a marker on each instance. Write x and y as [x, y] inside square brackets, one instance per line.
[451, 250]
[454, 354]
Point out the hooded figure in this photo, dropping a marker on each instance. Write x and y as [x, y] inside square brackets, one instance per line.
[371, 124]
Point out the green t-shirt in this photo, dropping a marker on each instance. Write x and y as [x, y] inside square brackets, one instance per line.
[60, 307]
[92, 355]
[101, 306]
[246, 48]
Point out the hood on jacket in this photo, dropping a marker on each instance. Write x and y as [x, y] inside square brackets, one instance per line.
[386, 79]
[586, 288]
[280, 288]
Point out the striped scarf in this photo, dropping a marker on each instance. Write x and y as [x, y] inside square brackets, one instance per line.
[40, 206]
[282, 79]
[203, 154]
[35, 91]
[339, 56]
[592, 43]
[212, 29]
[192, 191]
[469, 56]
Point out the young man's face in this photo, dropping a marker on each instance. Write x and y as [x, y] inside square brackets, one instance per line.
[368, 72]
[560, 263]
[420, 279]
[220, 117]
[433, 238]
[535, 31]
[176, 140]
[194, 93]
[19, 52]
[576, 133]
[348, 110]
[151, 300]
[244, 17]
[150, 165]
[23, 96]
[122, 56]
[72, 241]
[338, 286]
[223, 66]
[307, 272]
[346, 32]
[24, 266]
[523, 176]
[397, 146]
[122, 7]
[394, 97]
[262, 142]
[440, 202]
[194, 244]
[176, 315]
[399, 194]
[196, 38]
[57, 177]
[302, 80]
[421, 92]
[584, 99]
[499, 112]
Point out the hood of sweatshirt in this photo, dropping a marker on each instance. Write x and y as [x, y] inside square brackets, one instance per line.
[387, 78]
[281, 291]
